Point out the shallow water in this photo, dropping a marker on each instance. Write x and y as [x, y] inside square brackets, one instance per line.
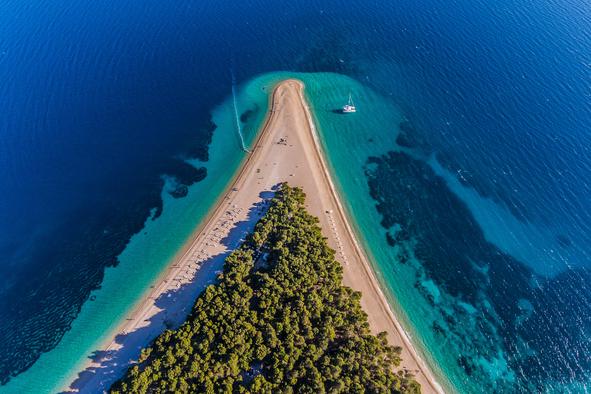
[488, 318]
[478, 225]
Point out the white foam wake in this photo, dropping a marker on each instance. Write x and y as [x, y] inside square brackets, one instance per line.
[238, 128]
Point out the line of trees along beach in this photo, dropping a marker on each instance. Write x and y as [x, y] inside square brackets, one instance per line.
[278, 320]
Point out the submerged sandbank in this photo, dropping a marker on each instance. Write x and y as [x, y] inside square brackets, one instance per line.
[287, 149]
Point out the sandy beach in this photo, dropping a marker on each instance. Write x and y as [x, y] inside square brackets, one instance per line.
[287, 149]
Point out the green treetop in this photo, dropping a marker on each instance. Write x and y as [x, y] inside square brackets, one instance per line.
[279, 320]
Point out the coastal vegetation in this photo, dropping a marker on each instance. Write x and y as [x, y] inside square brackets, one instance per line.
[278, 320]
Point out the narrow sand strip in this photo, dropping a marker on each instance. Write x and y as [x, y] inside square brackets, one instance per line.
[286, 149]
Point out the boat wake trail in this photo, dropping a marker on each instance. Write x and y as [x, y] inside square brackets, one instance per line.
[238, 128]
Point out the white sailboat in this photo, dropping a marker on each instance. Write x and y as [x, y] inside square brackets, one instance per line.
[349, 107]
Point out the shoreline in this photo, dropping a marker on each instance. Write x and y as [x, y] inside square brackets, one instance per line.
[408, 346]
[233, 215]
[76, 382]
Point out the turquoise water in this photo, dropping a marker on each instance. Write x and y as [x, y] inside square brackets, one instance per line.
[466, 168]
[358, 147]
[149, 251]
[348, 142]
[480, 296]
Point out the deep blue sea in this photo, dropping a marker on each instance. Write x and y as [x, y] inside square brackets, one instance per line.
[106, 111]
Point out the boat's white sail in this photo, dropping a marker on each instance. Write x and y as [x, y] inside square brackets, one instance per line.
[349, 107]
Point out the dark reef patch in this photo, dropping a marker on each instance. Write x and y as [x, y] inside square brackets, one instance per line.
[185, 175]
[68, 263]
[410, 138]
[419, 138]
[200, 140]
[451, 251]
[484, 186]
[247, 115]
[179, 191]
